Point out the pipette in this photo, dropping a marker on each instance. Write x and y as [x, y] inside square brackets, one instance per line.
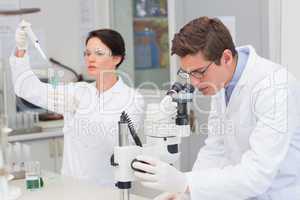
[35, 41]
[36, 44]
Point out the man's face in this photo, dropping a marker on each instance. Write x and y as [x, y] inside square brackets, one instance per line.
[213, 77]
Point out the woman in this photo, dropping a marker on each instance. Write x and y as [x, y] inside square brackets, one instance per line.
[91, 111]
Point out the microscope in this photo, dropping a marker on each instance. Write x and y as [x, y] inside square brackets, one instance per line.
[164, 126]
[167, 122]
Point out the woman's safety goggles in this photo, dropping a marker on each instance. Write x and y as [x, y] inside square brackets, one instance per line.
[97, 52]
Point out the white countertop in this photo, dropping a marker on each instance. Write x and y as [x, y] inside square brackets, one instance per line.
[57, 187]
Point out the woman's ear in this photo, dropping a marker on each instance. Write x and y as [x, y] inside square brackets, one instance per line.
[116, 60]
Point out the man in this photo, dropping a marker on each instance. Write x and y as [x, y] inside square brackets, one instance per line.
[253, 146]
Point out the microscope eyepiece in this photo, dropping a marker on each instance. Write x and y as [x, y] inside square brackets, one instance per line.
[175, 88]
[188, 88]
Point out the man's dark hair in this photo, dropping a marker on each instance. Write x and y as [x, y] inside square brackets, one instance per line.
[112, 39]
[207, 35]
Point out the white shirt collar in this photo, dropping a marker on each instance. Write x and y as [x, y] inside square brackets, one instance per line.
[116, 87]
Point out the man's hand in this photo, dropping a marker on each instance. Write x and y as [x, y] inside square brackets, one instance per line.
[160, 175]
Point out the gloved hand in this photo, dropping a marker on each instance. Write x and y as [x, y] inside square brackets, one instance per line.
[168, 106]
[21, 36]
[160, 175]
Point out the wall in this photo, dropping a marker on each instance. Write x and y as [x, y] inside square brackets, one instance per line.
[275, 30]
[290, 32]
[251, 18]
[121, 20]
[59, 22]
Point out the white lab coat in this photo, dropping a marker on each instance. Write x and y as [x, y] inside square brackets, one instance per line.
[253, 145]
[90, 119]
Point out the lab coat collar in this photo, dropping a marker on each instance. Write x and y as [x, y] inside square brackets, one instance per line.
[245, 76]
[218, 102]
[250, 64]
[219, 98]
[116, 87]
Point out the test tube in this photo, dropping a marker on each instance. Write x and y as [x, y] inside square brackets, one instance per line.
[25, 120]
[35, 118]
[30, 119]
[33, 175]
[19, 120]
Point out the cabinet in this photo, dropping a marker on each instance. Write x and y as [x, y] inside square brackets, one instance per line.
[151, 43]
[59, 149]
[48, 151]
[148, 26]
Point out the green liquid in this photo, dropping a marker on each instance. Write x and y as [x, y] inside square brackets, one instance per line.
[33, 183]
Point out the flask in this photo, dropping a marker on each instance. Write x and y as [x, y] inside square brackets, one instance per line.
[146, 50]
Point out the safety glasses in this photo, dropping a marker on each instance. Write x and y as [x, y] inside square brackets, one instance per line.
[198, 73]
[97, 52]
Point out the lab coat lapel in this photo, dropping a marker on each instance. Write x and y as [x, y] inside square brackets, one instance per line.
[109, 95]
[237, 95]
[219, 103]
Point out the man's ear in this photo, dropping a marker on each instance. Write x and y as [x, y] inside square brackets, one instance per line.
[227, 57]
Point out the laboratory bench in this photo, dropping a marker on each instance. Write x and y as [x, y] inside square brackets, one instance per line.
[58, 187]
[47, 148]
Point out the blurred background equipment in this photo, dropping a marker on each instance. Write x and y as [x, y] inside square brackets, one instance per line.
[8, 104]
[5, 114]
[21, 115]
[146, 50]
[77, 76]
[21, 11]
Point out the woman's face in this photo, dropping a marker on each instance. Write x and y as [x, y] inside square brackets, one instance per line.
[98, 58]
